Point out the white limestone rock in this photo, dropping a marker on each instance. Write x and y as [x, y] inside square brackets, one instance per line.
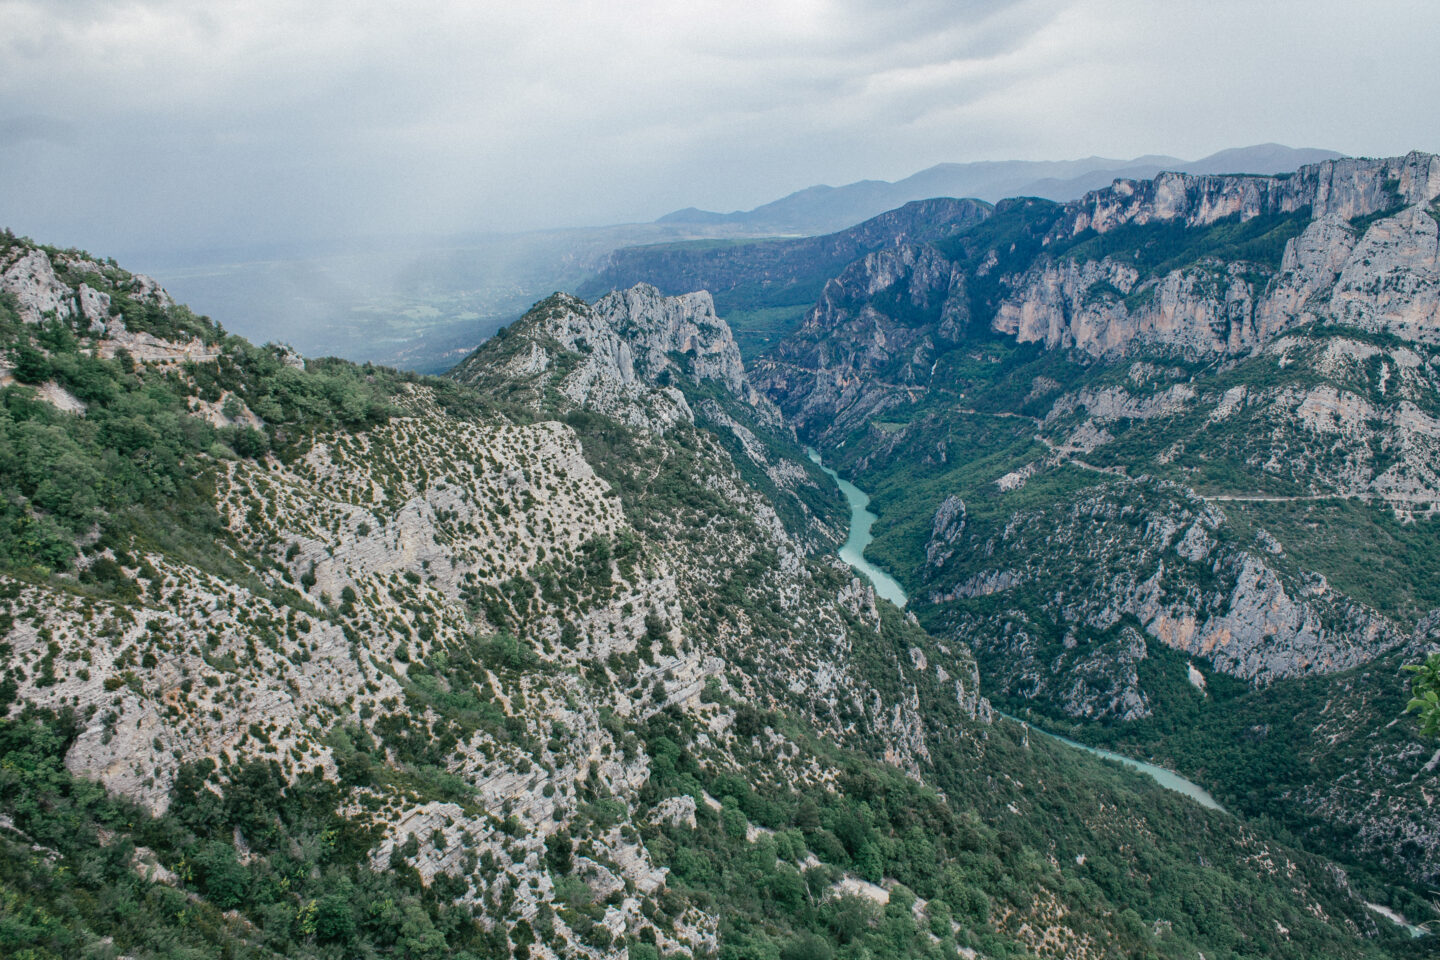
[1391, 280]
[30, 277]
[95, 307]
[1387, 280]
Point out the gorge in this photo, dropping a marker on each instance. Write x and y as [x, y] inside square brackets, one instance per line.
[853, 553]
[554, 656]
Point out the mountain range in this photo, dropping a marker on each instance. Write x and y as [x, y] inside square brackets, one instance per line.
[823, 209]
[423, 303]
[552, 656]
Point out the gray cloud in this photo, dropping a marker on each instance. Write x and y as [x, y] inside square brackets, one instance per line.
[256, 121]
[20, 131]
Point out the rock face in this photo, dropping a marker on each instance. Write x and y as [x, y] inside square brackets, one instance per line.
[1205, 310]
[658, 328]
[1333, 415]
[945, 530]
[620, 355]
[636, 355]
[1346, 187]
[29, 274]
[1385, 279]
[1199, 267]
[30, 277]
[1391, 280]
[677, 268]
[1169, 577]
[850, 357]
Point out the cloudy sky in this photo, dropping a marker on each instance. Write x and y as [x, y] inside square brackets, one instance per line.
[136, 126]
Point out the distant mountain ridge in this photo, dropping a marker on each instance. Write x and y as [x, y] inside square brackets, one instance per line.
[720, 266]
[822, 209]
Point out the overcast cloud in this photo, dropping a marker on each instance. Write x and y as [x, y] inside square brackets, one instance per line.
[140, 126]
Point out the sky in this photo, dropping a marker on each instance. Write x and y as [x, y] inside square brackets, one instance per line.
[133, 127]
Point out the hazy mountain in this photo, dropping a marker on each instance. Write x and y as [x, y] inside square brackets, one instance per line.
[821, 209]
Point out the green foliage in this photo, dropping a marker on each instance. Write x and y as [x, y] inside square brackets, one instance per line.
[759, 328]
[1363, 549]
[31, 366]
[306, 885]
[1155, 249]
[971, 855]
[1425, 694]
[137, 447]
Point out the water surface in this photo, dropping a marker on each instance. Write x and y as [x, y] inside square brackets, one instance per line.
[1168, 779]
[861, 520]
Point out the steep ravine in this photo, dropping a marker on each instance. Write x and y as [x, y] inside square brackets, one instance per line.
[543, 660]
[887, 587]
[853, 553]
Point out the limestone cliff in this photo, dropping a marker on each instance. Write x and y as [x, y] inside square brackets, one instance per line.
[1347, 187]
[1200, 267]
[1380, 275]
[620, 356]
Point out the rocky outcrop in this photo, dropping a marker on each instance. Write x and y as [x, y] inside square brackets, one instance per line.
[30, 278]
[1308, 270]
[1390, 282]
[94, 307]
[621, 356]
[656, 328]
[1204, 310]
[1104, 684]
[28, 273]
[1263, 631]
[1388, 279]
[850, 357]
[1109, 404]
[1347, 187]
[945, 529]
[1094, 567]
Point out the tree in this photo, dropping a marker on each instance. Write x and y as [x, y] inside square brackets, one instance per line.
[31, 366]
[559, 852]
[220, 874]
[1425, 694]
[334, 917]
